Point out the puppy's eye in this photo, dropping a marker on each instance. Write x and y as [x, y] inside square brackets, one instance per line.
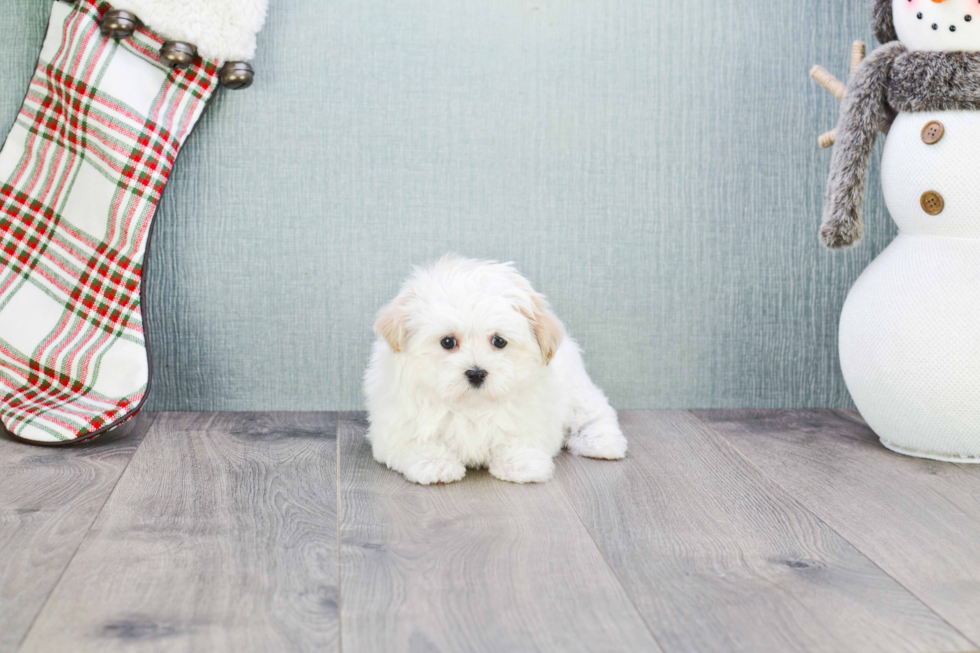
[448, 342]
[498, 342]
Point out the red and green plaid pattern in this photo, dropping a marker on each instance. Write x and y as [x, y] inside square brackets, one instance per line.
[81, 174]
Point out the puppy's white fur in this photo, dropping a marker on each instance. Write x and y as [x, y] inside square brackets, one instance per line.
[430, 423]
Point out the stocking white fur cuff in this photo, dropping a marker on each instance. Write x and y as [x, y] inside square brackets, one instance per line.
[221, 29]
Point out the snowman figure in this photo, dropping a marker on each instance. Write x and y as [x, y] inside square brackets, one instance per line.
[910, 328]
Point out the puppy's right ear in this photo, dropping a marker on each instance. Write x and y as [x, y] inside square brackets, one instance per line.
[392, 323]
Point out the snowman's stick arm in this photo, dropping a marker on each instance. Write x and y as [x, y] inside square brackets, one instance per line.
[862, 111]
[837, 88]
[828, 81]
[828, 139]
[859, 51]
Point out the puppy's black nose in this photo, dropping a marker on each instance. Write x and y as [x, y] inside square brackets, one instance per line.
[476, 375]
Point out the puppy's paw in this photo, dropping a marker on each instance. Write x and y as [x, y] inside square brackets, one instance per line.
[599, 440]
[435, 470]
[523, 466]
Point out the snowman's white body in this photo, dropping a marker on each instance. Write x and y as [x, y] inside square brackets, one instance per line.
[910, 329]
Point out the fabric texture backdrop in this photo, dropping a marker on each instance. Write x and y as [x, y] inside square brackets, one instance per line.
[651, 166]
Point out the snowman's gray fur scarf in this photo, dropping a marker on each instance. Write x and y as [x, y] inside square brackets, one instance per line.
[935, 81]
[862, 112]
[884, 21]
[891, 80]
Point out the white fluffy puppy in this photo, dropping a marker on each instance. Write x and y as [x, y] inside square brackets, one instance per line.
[472, 369]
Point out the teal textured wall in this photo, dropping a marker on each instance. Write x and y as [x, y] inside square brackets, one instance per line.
[651, 165]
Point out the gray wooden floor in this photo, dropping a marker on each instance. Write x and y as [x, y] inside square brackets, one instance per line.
[722, 531]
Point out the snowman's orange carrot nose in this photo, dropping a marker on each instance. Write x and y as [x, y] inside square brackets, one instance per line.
[938, 1]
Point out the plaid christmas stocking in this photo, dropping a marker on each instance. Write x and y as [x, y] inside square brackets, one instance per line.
[81, 173]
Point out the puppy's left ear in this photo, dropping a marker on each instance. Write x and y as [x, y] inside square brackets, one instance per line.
[548, 329]
[392, 323]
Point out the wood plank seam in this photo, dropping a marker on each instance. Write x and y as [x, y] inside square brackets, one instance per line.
[792, 497]
[710, 549]
[151, 417]
[473, 565]
[609, 566]
[843, 414]
[218, 539]
[848, 414]
[338, 416]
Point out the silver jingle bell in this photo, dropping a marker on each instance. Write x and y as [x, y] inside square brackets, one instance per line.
[118, 24]
[236, 75]
[177, 54]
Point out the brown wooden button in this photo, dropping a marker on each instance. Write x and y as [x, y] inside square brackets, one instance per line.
[933, 132]
[932, 202]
